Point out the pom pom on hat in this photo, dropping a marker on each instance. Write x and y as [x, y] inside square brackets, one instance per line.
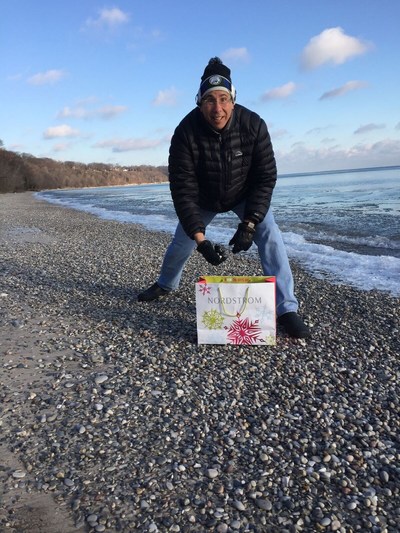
[216, 77]
[215, 66]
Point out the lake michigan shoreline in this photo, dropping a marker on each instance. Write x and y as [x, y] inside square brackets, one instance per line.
[114, 418]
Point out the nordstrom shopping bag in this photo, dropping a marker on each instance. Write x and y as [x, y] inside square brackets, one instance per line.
[236, 310]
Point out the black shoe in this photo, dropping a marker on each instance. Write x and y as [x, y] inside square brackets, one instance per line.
[294, 326]
[152, 293]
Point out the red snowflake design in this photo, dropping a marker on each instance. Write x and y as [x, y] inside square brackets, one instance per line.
[244, 331]
[204, 289]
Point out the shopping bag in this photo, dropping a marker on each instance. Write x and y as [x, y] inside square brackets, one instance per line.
[236, 310]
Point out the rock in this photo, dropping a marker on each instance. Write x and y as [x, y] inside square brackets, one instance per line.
[212, 473]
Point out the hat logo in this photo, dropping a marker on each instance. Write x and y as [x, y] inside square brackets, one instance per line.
[215, 80]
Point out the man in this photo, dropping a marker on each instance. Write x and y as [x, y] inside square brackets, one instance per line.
[221, 159]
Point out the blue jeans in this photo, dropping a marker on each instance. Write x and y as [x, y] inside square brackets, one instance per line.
[271, 249]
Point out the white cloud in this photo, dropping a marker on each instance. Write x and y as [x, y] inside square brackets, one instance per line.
[278, 134]
[378, 152]
[80, 112]
[332, 46]
[110, 111]
[347, 87]
[397, 127]
[130, 145]
[16, 147]
[109, 18]
[280, 92]
[318, 130]
[48, 77]
[61, 147]
[236, 54]
[75, 112]
[168, 97]
[369, 127]
[304, 158]
[14, 77]
[60, 131]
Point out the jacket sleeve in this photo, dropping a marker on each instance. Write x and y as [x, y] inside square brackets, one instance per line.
[262, 175]
[183, 182]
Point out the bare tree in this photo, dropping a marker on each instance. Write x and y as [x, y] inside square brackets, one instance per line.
[19, 172]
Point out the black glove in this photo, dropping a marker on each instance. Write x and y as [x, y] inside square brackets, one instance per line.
[213, 253]
[243, 238]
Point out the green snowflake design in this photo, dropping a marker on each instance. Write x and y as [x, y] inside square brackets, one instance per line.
[270, 340]
[212, 319]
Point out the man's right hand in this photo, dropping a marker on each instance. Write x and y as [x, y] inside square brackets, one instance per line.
[213, 253]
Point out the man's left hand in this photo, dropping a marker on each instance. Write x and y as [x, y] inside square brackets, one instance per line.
[243, 238]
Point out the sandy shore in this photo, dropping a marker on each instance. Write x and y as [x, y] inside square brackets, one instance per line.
[112, 418]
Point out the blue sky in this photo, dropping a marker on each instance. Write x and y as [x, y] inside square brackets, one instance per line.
[94, 81]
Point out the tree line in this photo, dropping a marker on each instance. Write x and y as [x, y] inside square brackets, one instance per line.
[24, 172]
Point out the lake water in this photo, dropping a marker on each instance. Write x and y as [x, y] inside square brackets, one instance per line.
[342, 226]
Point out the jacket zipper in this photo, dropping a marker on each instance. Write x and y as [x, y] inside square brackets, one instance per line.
[225, 165]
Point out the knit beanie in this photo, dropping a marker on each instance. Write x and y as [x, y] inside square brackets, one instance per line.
[216, 77]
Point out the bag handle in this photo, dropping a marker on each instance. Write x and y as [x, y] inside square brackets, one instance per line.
[243, 308]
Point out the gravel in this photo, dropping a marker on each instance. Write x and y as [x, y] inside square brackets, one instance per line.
[111, 407]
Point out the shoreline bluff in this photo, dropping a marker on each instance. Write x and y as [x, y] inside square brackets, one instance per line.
[113, 419]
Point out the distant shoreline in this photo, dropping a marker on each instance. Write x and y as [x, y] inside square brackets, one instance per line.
[291, 175]
[343, 171]
[101, 187]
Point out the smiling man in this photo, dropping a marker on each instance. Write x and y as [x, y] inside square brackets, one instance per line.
[217, 108]
[221, 159]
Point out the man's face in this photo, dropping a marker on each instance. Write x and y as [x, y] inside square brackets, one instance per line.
[217, 108]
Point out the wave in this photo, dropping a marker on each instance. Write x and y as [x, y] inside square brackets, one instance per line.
[365, 272]
[373, 241]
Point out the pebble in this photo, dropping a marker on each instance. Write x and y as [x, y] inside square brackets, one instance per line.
[239, 505]
[18, 474]
[101, 378]
[384, 476]
[351, 506]
[134, 426]
[75, 505]
[264, 504]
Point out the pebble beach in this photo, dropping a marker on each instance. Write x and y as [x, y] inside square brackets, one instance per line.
[113, 418]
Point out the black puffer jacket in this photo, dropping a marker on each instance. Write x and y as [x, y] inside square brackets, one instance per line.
[217, 170]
